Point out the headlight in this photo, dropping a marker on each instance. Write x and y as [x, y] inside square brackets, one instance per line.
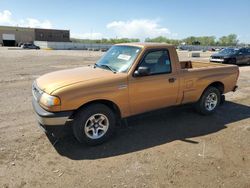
[49, 101]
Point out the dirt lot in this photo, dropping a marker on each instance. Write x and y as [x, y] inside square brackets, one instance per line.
[168, 148]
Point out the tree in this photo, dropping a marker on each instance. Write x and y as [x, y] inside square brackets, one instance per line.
[190, 40]
[230, 40]
[164, 40]
[203, 40]
[207, 40]
[105, 41]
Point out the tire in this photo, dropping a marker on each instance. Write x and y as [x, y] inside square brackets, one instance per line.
[94, 124]
[209, 101]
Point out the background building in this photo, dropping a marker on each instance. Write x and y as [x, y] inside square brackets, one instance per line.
[13, 36]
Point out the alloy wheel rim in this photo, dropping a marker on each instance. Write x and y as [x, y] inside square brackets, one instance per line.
[211, 101]
[96, 126]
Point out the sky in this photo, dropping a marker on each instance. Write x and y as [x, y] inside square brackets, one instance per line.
[95, 19]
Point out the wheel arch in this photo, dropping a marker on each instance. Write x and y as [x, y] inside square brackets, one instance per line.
[113, 106]
[219, 85]
[199, 104]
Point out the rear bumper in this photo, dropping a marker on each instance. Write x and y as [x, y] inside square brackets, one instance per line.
[50, 118]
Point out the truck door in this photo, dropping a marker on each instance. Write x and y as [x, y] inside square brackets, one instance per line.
[156, 90]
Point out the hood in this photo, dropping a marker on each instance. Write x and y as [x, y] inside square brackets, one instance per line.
[55, 80]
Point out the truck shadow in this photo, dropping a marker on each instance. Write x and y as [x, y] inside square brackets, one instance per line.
[156, 128]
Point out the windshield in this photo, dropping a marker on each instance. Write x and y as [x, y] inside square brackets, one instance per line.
[229, 51]
[119, 58]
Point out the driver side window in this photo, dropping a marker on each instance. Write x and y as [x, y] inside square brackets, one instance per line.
[157, 61]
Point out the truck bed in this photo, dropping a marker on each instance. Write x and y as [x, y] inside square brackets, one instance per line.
[196, 76]
[197, 65]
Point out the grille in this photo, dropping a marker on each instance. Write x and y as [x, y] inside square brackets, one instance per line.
[216, 57]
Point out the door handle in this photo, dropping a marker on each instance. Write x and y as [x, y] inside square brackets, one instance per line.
[171, 80]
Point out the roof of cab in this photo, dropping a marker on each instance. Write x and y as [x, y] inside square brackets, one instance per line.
[145, 44]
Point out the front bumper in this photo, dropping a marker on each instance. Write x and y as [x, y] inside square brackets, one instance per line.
[50, 118]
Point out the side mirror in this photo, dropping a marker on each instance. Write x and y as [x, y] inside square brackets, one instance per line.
[142, 71]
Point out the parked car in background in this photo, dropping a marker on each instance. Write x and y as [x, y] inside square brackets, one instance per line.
[232, 56]
[30, 46]
[104, 49]
[212, 49]
[20, 44]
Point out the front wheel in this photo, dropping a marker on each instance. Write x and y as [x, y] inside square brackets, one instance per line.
[94, 124]
[209, 101]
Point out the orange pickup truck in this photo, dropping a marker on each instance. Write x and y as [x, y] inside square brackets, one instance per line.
[129, 79]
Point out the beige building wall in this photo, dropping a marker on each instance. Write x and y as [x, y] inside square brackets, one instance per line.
[29, 35]
[21, 34]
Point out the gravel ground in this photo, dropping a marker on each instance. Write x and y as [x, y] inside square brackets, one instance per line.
[174, 147]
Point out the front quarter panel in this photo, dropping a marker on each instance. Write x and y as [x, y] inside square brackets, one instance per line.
[111, 89]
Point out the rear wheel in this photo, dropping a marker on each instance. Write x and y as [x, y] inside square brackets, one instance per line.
[209, 101]
[94, 124]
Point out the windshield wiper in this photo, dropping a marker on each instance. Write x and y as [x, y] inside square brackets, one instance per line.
[107, 66]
